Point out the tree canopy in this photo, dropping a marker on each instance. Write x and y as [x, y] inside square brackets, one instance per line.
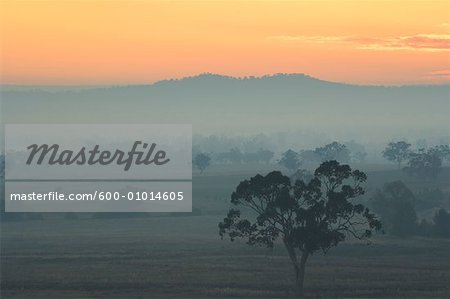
[307, 217]
[290, 160]
[397, 152]
[201, 161]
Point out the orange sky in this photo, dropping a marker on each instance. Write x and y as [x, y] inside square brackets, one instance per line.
[123, 42]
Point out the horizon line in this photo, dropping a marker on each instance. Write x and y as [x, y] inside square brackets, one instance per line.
[205, 74]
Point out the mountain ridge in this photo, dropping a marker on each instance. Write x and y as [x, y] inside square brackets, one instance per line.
[218, 104]
[214, 78]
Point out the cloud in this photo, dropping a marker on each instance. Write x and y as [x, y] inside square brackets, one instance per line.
[311, 38]
[418, 42]
[440, 73]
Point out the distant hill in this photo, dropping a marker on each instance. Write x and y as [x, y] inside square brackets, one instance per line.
[221, 104]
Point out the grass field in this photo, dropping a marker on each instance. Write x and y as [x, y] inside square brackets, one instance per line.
[183, 257]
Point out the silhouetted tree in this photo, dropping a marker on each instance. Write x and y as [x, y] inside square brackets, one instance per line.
[421, 143]
[397, 152]
[442, 151]
[395, 205]
[440, 227]
[424, 164]
[442, 224]
[201, 161]
[429, 198]
[303, 175]
[308, 217]
[333, 151]
[425, 228]
[290, 160]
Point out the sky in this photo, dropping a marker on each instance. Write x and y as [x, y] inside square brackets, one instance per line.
[139, 42]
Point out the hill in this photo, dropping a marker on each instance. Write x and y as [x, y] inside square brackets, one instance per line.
[221, 104]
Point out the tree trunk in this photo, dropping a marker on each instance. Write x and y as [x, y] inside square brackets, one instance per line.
[300, 273]
[299, 267]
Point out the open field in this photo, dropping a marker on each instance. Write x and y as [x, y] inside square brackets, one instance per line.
[183, 257]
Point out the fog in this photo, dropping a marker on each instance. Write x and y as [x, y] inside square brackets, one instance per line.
[314, 111]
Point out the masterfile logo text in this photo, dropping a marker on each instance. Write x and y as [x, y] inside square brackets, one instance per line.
[98, 168]
[52, 154]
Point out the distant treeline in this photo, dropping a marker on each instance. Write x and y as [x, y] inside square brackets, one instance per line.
[398, 208]
[345, 153]
[423, 162]
[301, 141]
